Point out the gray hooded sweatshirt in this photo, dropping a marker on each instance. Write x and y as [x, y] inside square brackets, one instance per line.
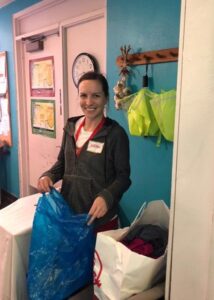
[101, 169]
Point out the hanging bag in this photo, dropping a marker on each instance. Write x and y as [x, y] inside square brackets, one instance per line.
[61, 250]
[163, 106]
[141, 118]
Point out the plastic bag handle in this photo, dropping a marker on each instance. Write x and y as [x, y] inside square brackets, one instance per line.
[55, 191]
[143, 206]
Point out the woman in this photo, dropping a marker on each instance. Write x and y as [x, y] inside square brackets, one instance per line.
[94, 157]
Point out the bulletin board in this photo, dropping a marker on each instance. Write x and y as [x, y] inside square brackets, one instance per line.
[5, 123]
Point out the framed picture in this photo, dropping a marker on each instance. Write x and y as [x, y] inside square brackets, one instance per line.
[43, 117]
[42, 81]
[5, 121]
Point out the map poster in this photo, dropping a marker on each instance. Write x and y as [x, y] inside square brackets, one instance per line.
[5, 121]
[42, 77]
[43, 117]
[5, 133]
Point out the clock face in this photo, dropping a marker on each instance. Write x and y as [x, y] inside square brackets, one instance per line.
[83, 63]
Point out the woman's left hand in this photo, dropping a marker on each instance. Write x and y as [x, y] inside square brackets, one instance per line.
[98, 209]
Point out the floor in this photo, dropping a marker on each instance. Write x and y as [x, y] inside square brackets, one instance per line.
[6, 199]
[155, 293]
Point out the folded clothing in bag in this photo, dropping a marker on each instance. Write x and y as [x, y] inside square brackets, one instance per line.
[61, 250]
[150, 240]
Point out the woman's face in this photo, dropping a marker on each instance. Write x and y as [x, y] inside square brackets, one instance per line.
[92, 99]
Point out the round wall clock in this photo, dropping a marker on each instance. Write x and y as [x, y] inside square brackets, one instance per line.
[83, 63]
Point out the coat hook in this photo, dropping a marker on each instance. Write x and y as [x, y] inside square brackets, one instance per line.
[174, 54]
[146, 78]
[160, 55]
[147, 57]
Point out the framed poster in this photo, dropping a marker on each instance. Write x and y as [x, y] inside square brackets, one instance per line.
[5, 121]
[43, 120]
[42, 77]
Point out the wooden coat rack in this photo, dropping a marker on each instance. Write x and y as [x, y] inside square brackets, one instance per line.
[149, 57]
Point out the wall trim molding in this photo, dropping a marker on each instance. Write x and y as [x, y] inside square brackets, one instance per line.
[5, 2]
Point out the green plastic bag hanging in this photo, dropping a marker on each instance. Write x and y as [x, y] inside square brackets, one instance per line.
[141, 119]
[163, 106]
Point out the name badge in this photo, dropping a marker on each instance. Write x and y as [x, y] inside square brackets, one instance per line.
[95, 147]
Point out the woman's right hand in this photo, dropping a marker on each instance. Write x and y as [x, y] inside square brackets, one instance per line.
[44, 184]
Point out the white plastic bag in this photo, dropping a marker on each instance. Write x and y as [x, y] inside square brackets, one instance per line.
[119, 272]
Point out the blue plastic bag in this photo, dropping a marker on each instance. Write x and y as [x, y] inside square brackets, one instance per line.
[61, 251]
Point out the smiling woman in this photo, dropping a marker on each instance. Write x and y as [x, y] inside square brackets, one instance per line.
[94, 158]
[92, 102]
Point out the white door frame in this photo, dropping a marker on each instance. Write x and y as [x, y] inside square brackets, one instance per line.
[190, 256]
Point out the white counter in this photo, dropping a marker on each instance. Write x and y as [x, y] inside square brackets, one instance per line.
[15, 232]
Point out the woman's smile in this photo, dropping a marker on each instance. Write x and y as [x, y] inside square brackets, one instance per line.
[92, 99]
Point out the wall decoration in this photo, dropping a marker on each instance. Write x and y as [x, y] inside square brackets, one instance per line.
[121, 89]
[5, 127]
[42, 77]
[43, 119]
[4, 120]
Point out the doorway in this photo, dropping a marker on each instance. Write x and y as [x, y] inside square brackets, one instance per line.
[65, 25]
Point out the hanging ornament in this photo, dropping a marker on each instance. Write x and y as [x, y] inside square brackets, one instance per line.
[121, 89]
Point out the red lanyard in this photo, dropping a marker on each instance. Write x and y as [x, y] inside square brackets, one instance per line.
[99, 126]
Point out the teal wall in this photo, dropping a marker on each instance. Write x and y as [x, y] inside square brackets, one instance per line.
[9, 173]
[145, 25]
